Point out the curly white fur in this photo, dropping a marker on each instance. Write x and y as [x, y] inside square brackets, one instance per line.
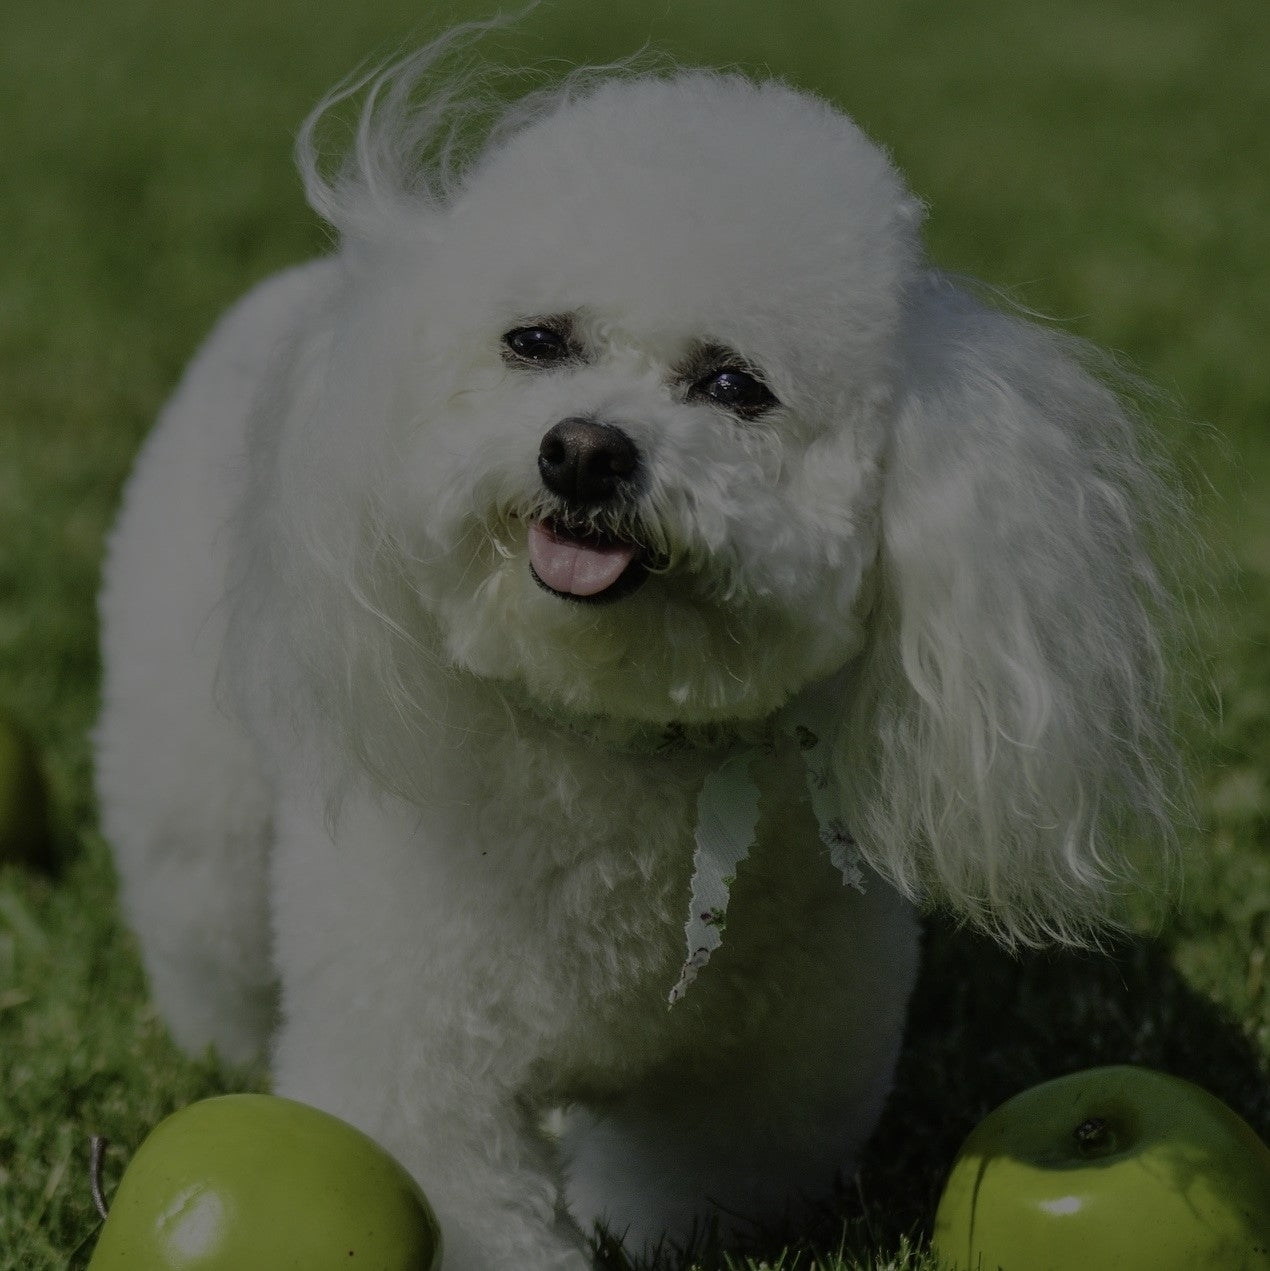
[352, 752]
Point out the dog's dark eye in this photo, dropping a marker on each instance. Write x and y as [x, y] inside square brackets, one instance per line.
[735, 390]
[538, 344]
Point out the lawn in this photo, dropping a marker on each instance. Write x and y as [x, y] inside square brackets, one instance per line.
[1105, 160]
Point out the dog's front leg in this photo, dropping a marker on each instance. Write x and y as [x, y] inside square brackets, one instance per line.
[790, 1056]
[403, 1013]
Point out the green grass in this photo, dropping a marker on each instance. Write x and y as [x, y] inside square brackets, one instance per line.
[1104, 159]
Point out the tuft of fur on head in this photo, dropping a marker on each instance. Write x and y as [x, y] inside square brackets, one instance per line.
[424, 119]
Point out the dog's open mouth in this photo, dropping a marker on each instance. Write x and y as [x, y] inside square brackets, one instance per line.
[582, 565]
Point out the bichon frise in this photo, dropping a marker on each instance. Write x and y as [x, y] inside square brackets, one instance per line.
[624, 529]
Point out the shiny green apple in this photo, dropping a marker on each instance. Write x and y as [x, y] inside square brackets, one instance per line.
[1111, 1169]
[25, 836]
[251, 1182]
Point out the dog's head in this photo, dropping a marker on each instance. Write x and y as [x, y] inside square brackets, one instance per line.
[652, 345]
[654, 411]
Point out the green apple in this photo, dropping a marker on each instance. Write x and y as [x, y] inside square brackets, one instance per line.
[249, 1182]
[25, 836]
[1111, 1169]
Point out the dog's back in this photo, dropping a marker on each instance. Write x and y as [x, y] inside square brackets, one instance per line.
[183, 803]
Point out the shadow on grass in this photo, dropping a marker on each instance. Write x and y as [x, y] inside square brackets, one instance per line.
[985, 1024]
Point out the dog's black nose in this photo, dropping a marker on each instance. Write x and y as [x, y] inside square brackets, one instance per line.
[586, 462]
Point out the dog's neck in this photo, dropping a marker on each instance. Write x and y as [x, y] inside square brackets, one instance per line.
[637, 737]
[728, 800]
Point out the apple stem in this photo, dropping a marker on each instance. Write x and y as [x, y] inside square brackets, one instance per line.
[1094, 1137]
[96, 1152]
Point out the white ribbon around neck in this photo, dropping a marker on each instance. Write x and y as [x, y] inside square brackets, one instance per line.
[727, 820]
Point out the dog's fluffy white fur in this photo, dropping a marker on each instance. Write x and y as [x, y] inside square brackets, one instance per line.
[421, 829]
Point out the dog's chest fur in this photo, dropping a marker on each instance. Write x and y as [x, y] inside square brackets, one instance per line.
[581, 855]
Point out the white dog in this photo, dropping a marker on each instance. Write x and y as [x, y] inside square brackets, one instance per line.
[620, 494]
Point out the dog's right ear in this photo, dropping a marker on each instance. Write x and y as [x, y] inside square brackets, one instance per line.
[1011, 718]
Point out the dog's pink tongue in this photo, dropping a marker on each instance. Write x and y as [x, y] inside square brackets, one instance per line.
[574, 567]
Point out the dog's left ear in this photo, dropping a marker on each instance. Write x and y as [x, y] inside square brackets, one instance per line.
[1009, 728]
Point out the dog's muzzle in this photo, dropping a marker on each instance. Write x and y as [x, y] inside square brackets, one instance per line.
[588, 466]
